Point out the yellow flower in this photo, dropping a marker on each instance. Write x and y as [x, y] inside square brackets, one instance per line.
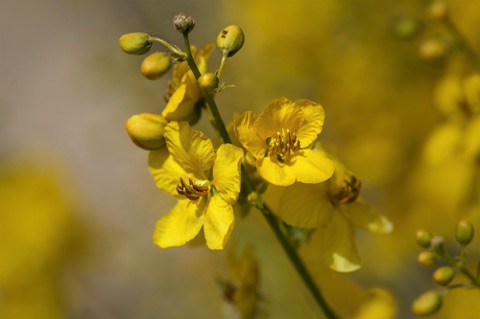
[184, 170]
[278, 141]
[184, 95]
[333, 209]
[241, 293]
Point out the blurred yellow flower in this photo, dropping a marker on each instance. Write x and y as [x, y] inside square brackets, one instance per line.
[278, 141]
[242, 292]
[333, 209]
[184, 94]
[183, 170]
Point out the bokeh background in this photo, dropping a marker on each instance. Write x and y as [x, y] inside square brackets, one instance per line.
[78, 206]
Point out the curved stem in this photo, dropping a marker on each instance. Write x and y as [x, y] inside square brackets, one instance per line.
[222, 65]
[247, 182]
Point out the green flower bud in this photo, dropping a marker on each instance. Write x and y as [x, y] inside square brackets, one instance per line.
[443, 275]
[406, 28]
[146, 130]
[135, 43]
[156, 65]
[464, 232]
[424, 238]
[183, 24]
[208, 82]
[230, 40]
[427, 304]
[427, 258]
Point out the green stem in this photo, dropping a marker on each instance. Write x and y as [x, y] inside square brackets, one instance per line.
[222, 65]
[461, 266]
[462, 42]
[173, 48]
[297, 262]
[247, 182]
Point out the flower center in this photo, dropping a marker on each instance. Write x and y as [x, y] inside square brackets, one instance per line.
[348, 193]
[194, 189]
[282, 145]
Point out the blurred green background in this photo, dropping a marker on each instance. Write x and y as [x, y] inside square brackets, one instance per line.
[78, 206]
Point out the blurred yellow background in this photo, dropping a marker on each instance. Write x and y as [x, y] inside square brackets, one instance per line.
[78, 206]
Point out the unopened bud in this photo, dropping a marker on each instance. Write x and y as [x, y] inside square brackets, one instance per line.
[208, 82]
[443, 275]
[406, 28]
[183, 24]
[464, 232]
[156, 65]
[146, 130]
[427, 304]
[437, 244]
[438, 10]
[230, 40]
[135, 43]
[427, 258]
[423, 238]
[434, 51]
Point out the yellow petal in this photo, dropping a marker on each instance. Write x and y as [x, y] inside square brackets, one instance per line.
[190, 148]
[305, 205]
[180, 225]
[337, 244]
[442, 143]
[314, 115]
[274, 172]
[363, 215]
[311, 166]
[218, 223]
[193, 92]
[165, 170]
[254, 144]
[279, 115]
[179, 107]
[201, 58]
[226, 172]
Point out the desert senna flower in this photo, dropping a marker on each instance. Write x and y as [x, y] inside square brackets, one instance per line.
[206, 183]
[278, 142]
[184, 94]
[334, 209]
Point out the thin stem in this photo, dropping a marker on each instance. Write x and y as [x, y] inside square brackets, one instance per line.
[169, 46]
[222, 65]
[462, 42]
[297, 262]
[464, 270]
[247, 182]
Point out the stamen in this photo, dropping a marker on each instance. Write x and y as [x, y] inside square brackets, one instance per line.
[192, 191]
[282, 145]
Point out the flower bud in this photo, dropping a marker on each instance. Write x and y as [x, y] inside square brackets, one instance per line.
[427, 258]
[438, 10]
[437, 244]
[230, 40]
[208, 82]
[464, 232]
[183, 24]
[156, 65]
[443, 275]
[434, 51]
[146, 130]
[427, 304]
[406, 28]
[135, 43]
[424, 238]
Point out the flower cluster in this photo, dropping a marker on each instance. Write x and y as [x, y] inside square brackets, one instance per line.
[279, 145]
